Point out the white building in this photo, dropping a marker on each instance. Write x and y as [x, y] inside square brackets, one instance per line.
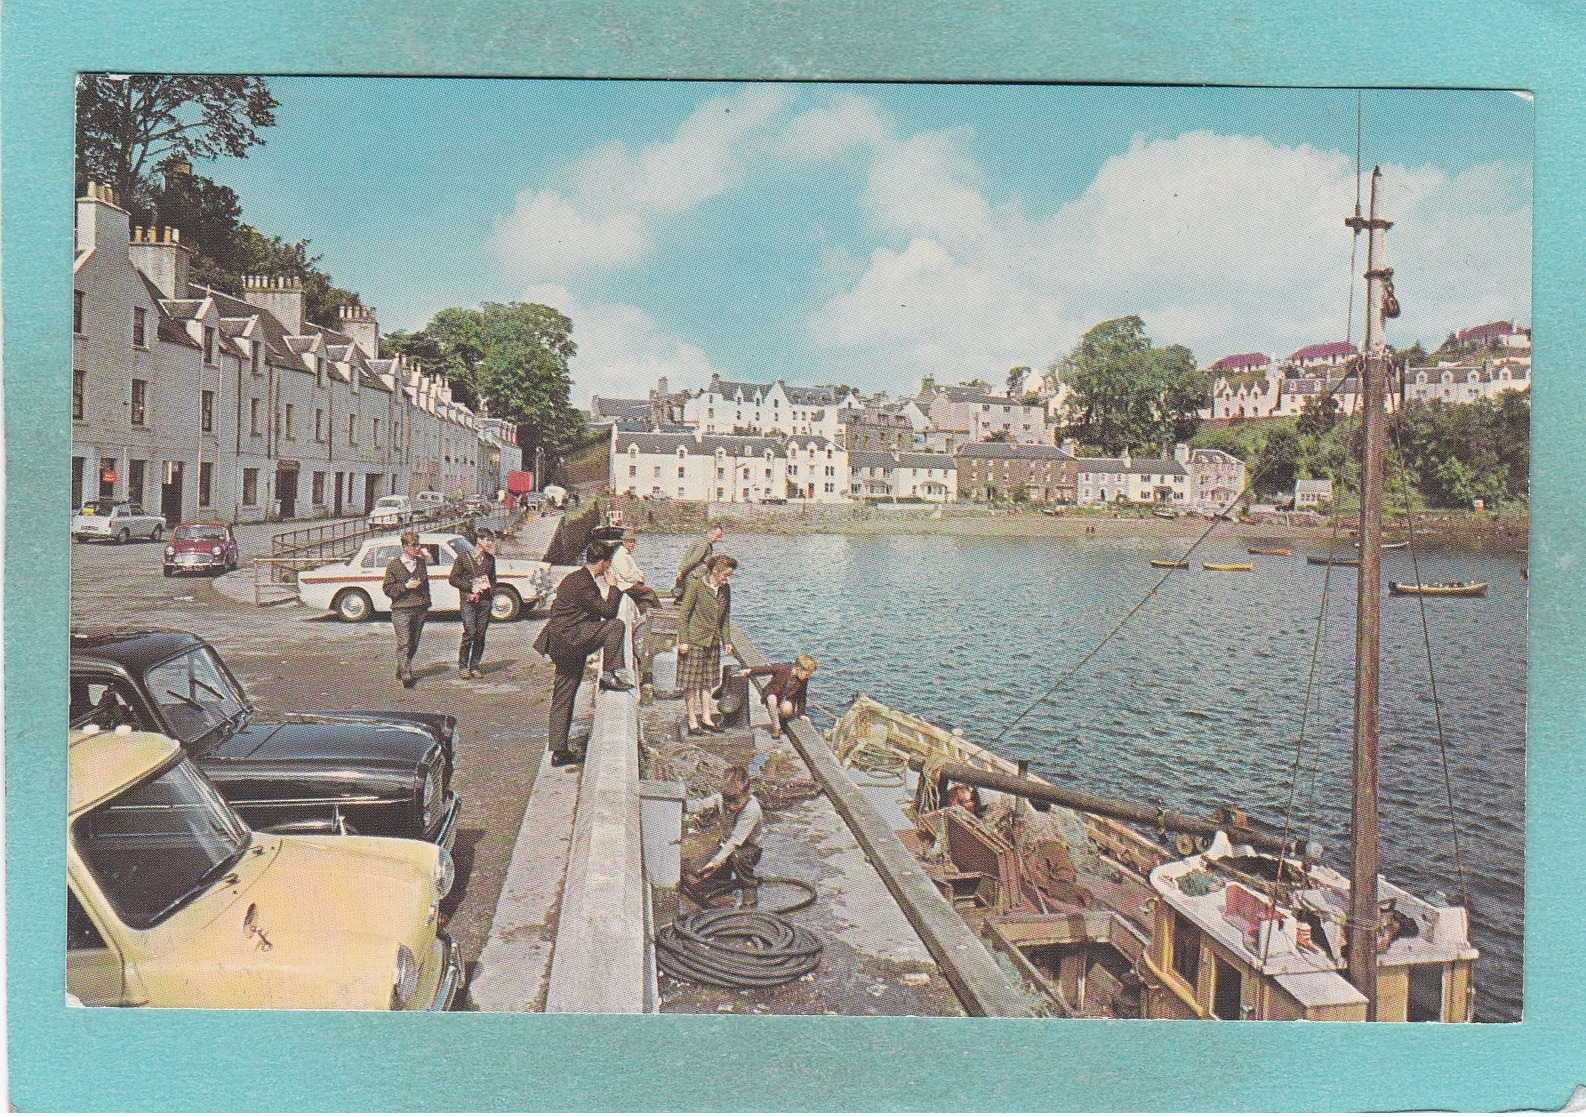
[1216, 479]
[739, 407]
[1456, 383]
[734, 469]
[902, 475]
[964, 413]
[1139, 481]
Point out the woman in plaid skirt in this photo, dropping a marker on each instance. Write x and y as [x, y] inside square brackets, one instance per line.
[702, 624]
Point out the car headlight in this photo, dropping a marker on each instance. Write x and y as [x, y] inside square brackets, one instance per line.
[445, 874]
[407, 979]
[215, 551]
[433, 791]
[170, 552]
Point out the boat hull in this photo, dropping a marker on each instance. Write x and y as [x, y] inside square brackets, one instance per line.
[1465, 589]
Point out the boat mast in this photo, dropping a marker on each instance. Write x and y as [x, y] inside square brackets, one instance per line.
[1363, 913]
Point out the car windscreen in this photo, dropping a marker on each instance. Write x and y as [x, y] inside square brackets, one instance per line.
[390, 502]
[99, 507]
[199, 531]
[160, 844]
[194, 693]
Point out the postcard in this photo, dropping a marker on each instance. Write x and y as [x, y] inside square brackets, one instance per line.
[627, 564]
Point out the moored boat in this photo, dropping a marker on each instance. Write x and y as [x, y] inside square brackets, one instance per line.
[1169, 564]
[1438, 589]
[1226, 566]
[1282, 552]
[1329, 560]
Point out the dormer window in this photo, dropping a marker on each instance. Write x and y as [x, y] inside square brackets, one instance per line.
[209, 345]
[140, 327]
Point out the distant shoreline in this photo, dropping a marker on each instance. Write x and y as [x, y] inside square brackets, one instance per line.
[1503, 534]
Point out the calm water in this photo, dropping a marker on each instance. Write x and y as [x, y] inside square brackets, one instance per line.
[1198, 701]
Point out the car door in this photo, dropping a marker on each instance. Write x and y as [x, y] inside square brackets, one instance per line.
[95, 972]
[371, 572]
[443, 595]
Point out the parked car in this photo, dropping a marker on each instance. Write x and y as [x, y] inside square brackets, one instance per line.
[477, 505]
[199, 546]
[556, 496]
[326, 771]
[173, 902]
[116, 519]
[352, 589]
[658, 495]
[428, 502]
[390, 511]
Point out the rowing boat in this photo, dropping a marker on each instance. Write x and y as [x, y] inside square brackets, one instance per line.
[1225, 566]
[1281, 551]
[1169, 564]
[1324, 560]
[1438, 589]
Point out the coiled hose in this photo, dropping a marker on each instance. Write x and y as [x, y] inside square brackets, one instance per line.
[740, 948]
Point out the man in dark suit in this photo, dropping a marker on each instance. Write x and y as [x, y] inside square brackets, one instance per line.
[583, 621]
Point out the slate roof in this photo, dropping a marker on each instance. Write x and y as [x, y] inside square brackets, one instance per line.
[1136, 465]
[738, 445]
[166, 328]
[1324, 350]
[961, 394]
[1322, 487]
[624, 409]
[1011, 450]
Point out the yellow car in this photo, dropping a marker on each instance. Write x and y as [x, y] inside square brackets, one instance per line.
[173, 902]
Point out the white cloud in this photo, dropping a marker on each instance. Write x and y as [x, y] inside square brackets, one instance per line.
[1221, 243]
[621, 350]
[605, 215]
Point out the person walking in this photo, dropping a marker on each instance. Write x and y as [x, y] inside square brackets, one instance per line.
[787, 692]
[702, 633]
[583, 621]
[407, 586]
[474, 576]
[694, 561]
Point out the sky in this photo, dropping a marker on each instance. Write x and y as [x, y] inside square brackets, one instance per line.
[875, 234]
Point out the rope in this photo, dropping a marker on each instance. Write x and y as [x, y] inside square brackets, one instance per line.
[885, 765]
[737, 948]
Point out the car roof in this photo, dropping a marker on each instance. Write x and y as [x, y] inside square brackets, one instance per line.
[201, 523]
[99, 765]
[135, 651]
[424, 537]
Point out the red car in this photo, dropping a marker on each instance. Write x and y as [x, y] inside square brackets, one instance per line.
[209, 547]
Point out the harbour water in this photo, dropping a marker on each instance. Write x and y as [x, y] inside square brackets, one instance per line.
[1198, 702]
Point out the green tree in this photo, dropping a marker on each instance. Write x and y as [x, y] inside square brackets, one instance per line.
[1126, 393]
[523, 374]
[1319, 415]
[127, 124]
[1016, 377]
[268, 255]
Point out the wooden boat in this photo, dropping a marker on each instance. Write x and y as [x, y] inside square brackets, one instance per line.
[1216, 918]
[1328, 560]
[1226, 566]
[1280, 551]
[1164, 514]
[1438, 589]
[1400, 545]
[1169, 564]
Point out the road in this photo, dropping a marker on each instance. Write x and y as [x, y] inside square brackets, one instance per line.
[290, 658]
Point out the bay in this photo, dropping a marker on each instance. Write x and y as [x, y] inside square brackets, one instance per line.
[1201, 700]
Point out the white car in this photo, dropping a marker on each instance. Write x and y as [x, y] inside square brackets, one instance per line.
[427, 500]
[352, 589]
[116, 519]
[390, 511]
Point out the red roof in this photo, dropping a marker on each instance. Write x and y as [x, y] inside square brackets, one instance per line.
[1326, 349]
[1490, 329]
[1242, 360]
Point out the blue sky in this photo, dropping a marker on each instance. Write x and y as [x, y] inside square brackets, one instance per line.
[874, 234]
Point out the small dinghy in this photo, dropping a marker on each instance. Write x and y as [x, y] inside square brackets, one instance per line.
[1226, 566]
[1327, 560]
[1169, 564]
[1438, 589]
[1280, 551]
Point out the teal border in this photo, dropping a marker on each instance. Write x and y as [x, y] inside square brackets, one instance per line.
[262, 1061]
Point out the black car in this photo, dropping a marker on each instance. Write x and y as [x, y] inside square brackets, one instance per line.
[330, 771]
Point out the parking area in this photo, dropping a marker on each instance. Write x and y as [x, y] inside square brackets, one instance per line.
[291, 658]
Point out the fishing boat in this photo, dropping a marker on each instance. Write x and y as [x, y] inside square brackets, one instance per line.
[1330, 560]
[1282, 552]
[1117, 908]
[1396, 546]
[1164, 514]
[1438, 589]
[1169, 564]
[1226, 566]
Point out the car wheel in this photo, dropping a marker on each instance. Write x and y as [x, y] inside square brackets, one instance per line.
[352, 606]
[505, 604]
[157, 534]
[79, 539]
[123, 535]
[170, 571]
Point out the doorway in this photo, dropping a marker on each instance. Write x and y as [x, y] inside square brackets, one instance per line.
[286, 491]
[371, 491]
[171, 493]
[340, 479]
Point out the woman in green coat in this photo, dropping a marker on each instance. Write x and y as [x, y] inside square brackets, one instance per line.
[702, 625]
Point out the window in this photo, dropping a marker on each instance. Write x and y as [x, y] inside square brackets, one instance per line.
[140, 403]
[135, 481]
[721, 474]
[374, 431]
[830, 487]
[140, 327]
[287, 420]
[319, 487]
[657, 471]
[721, 494]
[352, 430]
[77, 312]
[257, 348]
[79, 378]
[633, 471]
[1225, 993]
[253, 416]
[250, 486]
[107, 477]
[679, 473]
[206, 411]
[209, 345]
[1186, 949]
[206, 484]
[319, 424]
[396, 439]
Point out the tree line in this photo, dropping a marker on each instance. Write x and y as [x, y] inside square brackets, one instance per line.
[141, 133]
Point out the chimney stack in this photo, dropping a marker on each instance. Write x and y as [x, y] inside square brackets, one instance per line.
[362, 325]
[161, 255]
[282, 296]
[101, 224]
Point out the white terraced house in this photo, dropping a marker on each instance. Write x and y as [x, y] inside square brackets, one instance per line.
[902, 475]
[203, 404]
[738, 407]
[1455, 383]
[725, 468]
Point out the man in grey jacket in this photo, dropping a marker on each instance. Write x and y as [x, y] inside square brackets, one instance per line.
[407, 585]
